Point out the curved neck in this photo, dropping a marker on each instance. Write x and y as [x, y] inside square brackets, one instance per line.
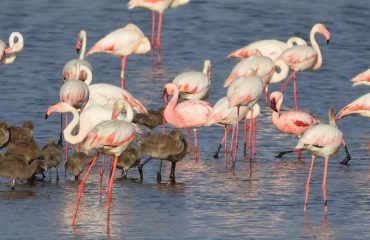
[129, 112]
[83, 49]
[207, 69]
[284, 70]
[172, 103]
[68, 130]
[88, 74]
[295, 41]
[316, 47]
[18, 46]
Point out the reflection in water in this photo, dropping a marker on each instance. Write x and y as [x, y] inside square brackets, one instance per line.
[17, 195]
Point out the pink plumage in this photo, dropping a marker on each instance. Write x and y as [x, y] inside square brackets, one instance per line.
[360, 106]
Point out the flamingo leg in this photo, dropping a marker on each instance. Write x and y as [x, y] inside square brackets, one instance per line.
[159, 37]
[266, 94]
[195, 144]
[227, 130]
[308, 183]
[299, 153]
[172, 174]
[67, 146]
[123, 66]
[60, 141]
[163, 124]
[111, 187]
[101, 173]
[250, 138]
[188, 133]
[348, 156]
[81, 187]
[324, 185]
[236, 138]
[140, 167]
[295, 93]
[255, 138]
[223, 141]
[232, 140]
[283, 87]
[159, 174]
[152, 43]
[245, 136]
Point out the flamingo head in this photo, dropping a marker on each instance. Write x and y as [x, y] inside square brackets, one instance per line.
[169, 89]
[78, 45]
[275, 101]
[324, 31]
[61, 107]
[80, 39]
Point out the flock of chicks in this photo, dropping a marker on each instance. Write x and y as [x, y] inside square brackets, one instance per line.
[246, 84]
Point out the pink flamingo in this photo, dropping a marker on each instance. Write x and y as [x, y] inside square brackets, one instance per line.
[187, 114]
[321, 140]
[264, 66]
[71, 70]
[291, 122]
[8, 54]
[271, 48]
[360, 106]
[122, 42]
[156, 6]
[110, 137]
[194, 85]
[244, 91]
[302, 58]
[362, 78]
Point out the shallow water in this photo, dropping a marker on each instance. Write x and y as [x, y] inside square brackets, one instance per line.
[262, 199]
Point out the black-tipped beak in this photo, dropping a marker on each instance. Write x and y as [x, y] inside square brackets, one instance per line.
[46, 116]
[273, 105]
[165, 96]
[327, 42]
[78, 50]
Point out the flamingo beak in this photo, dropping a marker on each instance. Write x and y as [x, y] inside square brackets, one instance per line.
[327, 42]
[165, 96]
[46, 115]
[78, 46]
[273, 105]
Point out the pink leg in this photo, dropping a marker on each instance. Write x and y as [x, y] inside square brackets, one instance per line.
[308, 183]
[111, 187]
[245, 136]
[123, 66]
[299, 153]
[227, 130]
[67, 146]
[324, 185]
[152, 37]
[250, 140]
[236, 139]
[101, 175]
[232, 140]
[195, 144]
[283, 87]
[81, 187]
[159, 37]
[188, 131]
[266, 95]
[163, 124]
[255, 138]
[295, 94]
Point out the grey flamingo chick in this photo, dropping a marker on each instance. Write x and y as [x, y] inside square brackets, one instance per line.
[130, 158]
[15, 167]
[172, 147]
[52, 153]
[25, 132]
[77, 163]
[150, 120]
[4, 134]
[28, 149]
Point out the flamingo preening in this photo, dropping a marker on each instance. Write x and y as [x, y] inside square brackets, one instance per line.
[8, 54]
[156, 6]
[302, 58]
[122, 42]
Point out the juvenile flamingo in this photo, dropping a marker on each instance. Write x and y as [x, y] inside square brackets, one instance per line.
[322, 140]
[8, 54]
[156, 6]
[187, 114]
[110, 137]
[244, 91]
[71, 70]
[122, 42]
[291, 122]
[360, 106]
[194, 85]
[271, 48]
[362, 78]
[302, 58]
[265, 68]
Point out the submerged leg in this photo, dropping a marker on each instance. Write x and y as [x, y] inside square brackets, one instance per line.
[159, 175]
[324, 185]
[308, 183]
[111, 187]
[172, 175]
[140, 167]
[195, 144]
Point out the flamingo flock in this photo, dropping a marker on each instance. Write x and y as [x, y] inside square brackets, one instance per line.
[99, 128]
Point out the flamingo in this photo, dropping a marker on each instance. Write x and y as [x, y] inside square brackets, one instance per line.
[302, 58]
[271, 48]
[122, 42]
[107, 94]
[194, 85]
[71, 70]
[156, 6]
[52, 153]
[361, 106]
[8, 54]
[264, 66]
[244, 91]
[322, 140]
[110, 137]
[362, 78]
[181, 115]
[291, 122]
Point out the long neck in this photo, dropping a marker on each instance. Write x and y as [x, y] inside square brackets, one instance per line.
[83, 49]
[331, 114]
[168, 111]
[129, 112]
[68, 130]
[18, 46]
[316, 47]
[88, 74]
[207, 69]
[284, 70]
[276, 115]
